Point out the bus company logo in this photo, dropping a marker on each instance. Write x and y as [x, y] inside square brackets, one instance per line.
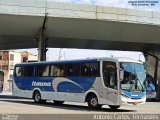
[41, 84]
[134, 95]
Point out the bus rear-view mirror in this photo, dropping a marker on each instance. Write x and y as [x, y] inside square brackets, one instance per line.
[121, 75]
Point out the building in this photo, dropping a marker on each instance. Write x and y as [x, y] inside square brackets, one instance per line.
[28, 57]
[8, 59]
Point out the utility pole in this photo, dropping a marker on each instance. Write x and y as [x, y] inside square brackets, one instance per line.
[59, 57]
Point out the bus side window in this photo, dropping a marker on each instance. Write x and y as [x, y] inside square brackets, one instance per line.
[94, 69]
[84, 69]
[45, 70]
[29, 71]
[57, 70]
[71, 69]
[90, 69]
[42, 70]
[54, 71]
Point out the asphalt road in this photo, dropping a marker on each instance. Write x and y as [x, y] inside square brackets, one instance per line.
[15, 105]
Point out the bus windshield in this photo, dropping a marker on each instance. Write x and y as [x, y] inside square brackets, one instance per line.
[134, 76]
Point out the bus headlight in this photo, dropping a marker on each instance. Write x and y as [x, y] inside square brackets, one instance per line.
[125, 96]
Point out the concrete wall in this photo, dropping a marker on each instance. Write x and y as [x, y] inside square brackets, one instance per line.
[150, 63]
[83, 11]
[151, 66]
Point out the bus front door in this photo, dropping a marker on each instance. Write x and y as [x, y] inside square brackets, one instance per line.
[111, 82]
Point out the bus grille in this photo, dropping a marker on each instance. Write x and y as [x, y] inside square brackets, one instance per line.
[135, 98]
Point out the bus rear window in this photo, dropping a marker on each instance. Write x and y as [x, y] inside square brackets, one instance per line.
[19, 71]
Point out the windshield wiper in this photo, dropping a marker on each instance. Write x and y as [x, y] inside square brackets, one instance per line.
[134, 83]
[139, 82]
[141, 85]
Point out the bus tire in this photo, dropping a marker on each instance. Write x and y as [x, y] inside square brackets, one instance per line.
[114, 107]
[92, 101]
[37, 97]
[58, 102]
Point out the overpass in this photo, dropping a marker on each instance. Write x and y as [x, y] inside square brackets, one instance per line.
[78, 26]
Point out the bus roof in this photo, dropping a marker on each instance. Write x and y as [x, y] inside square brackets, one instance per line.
[51, 62]
[83, 60]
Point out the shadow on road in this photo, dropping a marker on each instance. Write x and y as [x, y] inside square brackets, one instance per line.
[152, 100]
[63, 106]
[9, 97]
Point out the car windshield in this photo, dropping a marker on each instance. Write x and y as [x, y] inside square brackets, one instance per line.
[134, 76]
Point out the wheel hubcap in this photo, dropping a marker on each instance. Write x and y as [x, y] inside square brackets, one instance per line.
[37, 97]
[94, 102]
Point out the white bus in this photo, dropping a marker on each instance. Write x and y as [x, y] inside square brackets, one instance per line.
[102, 81]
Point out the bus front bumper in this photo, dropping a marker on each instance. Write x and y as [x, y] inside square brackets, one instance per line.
[130, 101]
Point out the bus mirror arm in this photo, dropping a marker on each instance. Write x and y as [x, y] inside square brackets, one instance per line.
[145, 71]
[121, 74]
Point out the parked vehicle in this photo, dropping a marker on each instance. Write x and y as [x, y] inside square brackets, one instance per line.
[150, 88]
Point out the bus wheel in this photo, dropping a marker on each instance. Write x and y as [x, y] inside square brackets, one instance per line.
[114, 107]
[93, 102]
[37, 97]
[58, 102]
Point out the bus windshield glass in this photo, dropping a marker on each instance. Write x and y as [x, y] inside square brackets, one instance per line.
[134, 76]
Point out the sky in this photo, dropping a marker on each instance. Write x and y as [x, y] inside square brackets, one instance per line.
[55, 54]
[149, 4]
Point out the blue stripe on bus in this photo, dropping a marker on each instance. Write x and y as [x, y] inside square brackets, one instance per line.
[25, 83]
[83, 84]
[69, 87]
